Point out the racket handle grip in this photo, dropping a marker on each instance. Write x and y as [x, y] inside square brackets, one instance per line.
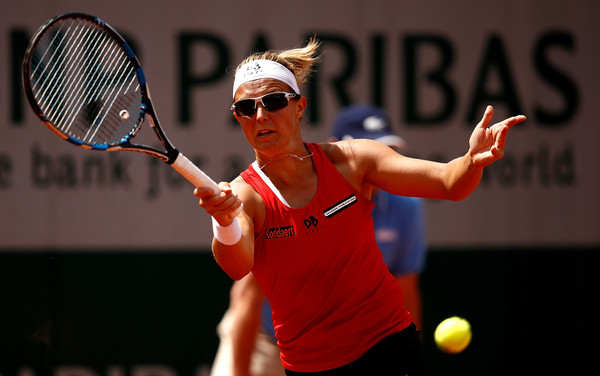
[197, 177]
[193, 174]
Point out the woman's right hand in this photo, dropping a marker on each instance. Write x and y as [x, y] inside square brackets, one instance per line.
[233, 243]
[223, 206]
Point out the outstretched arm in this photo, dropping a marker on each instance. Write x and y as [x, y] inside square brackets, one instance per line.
[380, 166]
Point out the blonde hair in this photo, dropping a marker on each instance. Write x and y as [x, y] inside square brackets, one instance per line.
[300, 61]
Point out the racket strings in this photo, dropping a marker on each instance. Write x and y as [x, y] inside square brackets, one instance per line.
[51, 89]
[48, 83]
[95, 107]
[76, 91]
[90, 100]
[82, 79]
[64, 79]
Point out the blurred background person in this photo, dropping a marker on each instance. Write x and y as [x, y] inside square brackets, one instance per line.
[399, 221]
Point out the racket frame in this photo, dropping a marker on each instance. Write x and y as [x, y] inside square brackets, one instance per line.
[169, 155]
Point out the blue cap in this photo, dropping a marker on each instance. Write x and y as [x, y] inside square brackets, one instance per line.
[364, 121]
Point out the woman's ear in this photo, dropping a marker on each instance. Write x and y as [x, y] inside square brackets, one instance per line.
[300, 107]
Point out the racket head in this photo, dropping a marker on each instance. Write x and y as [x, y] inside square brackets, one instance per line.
[84, 82]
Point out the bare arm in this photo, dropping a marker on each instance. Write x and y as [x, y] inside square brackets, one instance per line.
[236, 259]
[246, 300]
[378, 165]
[411, 291]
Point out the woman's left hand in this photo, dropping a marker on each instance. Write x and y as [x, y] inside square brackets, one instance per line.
[487, 143]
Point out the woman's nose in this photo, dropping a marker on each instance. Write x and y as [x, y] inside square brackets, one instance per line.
[261, 113]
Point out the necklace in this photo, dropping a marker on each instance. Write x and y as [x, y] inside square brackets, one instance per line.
[284, 156]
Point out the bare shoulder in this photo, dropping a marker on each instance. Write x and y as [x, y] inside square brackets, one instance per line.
[338, 151]
[254, 207]
[349, 158]
[246, 193]
[242, 188]
[352, 152]
[350, 147]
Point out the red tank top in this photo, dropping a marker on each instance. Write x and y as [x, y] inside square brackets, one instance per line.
[331, 293]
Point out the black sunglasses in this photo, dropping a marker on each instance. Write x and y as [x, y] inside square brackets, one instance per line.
[270, 102]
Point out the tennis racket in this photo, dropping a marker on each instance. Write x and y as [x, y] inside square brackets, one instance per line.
[85, 83]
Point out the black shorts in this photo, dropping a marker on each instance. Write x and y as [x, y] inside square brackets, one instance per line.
[397, 354]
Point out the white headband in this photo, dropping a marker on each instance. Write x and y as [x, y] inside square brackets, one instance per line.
[258, 69]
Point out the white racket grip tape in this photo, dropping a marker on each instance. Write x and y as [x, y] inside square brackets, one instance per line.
[192, 173]
[228, 235]
[197, 177]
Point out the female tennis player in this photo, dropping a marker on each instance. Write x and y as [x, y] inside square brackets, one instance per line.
[306, 230]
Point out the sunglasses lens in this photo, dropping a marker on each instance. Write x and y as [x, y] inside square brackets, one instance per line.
[270, 102]
[245, 107]
[274, 102]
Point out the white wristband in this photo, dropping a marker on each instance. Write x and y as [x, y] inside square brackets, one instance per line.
[228, 235]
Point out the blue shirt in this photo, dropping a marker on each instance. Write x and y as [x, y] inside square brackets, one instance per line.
[400, 232]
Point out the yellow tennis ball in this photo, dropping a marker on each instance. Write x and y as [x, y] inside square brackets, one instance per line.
[453, 335]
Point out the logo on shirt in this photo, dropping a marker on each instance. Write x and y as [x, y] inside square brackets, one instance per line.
[311, 225]
[344, 204]
[280, 232]
[310, 222]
